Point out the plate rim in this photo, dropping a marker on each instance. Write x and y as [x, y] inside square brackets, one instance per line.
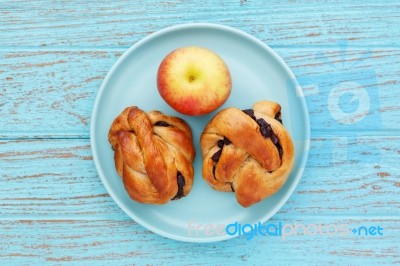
[178, 27]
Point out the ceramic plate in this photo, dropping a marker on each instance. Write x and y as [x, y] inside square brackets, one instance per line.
[257, 73]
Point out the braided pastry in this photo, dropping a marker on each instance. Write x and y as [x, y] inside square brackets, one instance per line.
[153, 155]
[248, 152]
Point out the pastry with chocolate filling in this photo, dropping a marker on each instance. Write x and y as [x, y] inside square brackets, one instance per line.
[153, 155]
[248, 152]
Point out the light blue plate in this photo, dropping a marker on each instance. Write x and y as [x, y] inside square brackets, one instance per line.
[257, 72]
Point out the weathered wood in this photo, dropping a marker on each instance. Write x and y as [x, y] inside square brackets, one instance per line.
[51, 93]
[124, 242]
[53, 58]
[46, 179]
[120, 24]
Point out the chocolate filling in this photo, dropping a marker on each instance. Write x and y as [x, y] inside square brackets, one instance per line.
[220, 145]
[227, 141]
[223, 142]
[278, 117]
[216, 155]
[250, 112]
[162, 124]
[213, 171]
[181, 183]
[266, 129]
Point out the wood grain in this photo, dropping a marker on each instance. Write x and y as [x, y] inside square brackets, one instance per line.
[53, 58]
[120, 24]
[70, 81]
[56, 179]
[124, 242]
[50, 92]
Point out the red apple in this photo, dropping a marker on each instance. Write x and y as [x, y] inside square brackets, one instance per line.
[194, 80]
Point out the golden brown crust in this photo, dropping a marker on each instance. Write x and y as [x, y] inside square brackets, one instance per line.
[241, 154]
[153, 153]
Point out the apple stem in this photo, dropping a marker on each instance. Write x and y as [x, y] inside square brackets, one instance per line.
[191, 78]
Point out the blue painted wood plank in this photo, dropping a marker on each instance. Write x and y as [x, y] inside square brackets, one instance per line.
[51, 93]
[56, 179]
[53, 207]
[51, 178]
[347, 88]
[121, 23]
[124, 242]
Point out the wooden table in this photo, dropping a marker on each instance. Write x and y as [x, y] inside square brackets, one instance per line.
[53, 58]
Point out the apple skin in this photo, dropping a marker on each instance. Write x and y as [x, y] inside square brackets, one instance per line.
[194, 80]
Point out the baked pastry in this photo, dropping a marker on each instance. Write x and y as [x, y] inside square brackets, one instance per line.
[248, 152]
[153, 155]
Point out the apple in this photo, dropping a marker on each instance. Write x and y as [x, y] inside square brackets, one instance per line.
[194, 80]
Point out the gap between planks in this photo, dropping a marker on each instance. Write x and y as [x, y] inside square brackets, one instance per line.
[381, 217]
[124, 48]
[84, 136]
